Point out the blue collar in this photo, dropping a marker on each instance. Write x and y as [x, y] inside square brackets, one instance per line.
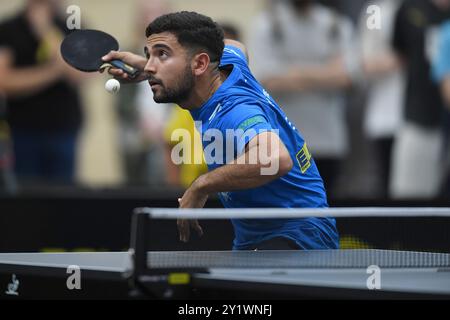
[205, 111]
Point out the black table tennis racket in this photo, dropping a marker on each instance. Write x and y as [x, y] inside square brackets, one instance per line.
[84, 49]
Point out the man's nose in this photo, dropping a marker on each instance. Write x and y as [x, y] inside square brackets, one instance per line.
[150, 67]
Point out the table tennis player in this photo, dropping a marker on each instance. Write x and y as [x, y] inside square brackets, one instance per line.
[189, 63]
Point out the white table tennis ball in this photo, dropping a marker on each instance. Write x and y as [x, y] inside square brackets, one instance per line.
[112, 86]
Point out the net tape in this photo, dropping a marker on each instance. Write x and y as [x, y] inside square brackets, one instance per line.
[298, 259]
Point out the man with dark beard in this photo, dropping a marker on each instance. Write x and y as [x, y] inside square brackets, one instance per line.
[268, 165]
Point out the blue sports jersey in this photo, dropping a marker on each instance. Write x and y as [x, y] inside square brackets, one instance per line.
[441, 65]
[241, 104]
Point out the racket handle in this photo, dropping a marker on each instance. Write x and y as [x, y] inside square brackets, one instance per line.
[132, 72]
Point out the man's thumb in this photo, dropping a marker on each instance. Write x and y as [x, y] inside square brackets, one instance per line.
[111, 56]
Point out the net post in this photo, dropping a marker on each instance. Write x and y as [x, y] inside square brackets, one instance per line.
[138, 248]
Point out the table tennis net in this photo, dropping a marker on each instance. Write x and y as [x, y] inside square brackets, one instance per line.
[297, 259]
[376, 228]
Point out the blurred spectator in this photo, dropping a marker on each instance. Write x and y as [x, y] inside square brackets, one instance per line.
[441, 73]
[141, 120]
[441, 67]
[230, 31]
[43, 105]
[301, 51]
[386, 82]
[350, 8]
[417, 167]
[7, 178]
[7, 181]
[183, 175]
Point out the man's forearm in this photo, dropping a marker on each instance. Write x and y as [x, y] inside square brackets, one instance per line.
[232, 177]
[329, 77]
[241, 175]
[29, 80]
[265, 159]
[446, 92]
[381, 64]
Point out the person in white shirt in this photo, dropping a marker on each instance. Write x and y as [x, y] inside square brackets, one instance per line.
[385, 88]
[302, 52]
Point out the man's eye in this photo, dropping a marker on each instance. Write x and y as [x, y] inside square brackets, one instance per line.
[163, 54]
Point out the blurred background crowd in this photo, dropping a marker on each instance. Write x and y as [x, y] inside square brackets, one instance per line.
[367, 83]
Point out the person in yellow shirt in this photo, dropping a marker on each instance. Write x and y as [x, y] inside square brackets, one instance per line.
[184, 174]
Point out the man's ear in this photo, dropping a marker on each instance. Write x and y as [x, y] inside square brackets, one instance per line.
[200, 63]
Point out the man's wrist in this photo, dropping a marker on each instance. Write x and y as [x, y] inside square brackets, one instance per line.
[200, 185]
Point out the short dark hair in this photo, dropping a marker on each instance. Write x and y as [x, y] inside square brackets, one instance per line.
[194, 31]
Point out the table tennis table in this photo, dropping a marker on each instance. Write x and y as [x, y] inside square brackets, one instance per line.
[144, 273]
[338, 274]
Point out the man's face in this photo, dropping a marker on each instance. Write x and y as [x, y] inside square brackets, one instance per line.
[169, 67]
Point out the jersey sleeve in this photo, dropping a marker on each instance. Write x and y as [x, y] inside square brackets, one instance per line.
[441, 65]
[234, 56]
[246, 121]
